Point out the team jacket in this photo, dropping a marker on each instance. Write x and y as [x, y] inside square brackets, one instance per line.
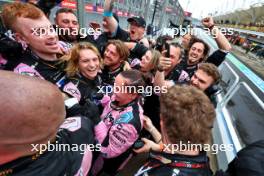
[86, 93]
[83, 89]
[118, 130]
[165, 164]
[31, 65]
[108, 77]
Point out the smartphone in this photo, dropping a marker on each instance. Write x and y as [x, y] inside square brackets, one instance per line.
[167, 47]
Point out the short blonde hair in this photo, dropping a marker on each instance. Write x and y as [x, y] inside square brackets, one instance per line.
[73, 59]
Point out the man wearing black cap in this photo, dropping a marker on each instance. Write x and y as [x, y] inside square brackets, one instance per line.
[133, 38]
[136, 30]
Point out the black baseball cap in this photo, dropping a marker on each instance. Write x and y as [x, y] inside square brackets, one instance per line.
[139, 20]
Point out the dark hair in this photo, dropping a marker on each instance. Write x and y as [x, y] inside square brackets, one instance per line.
[206, 46]
[136, 79]
[64, 10]
[160, 42]
[46, 6]
[177, 45]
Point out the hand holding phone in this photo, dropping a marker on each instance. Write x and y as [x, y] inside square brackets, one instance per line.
[167, 48]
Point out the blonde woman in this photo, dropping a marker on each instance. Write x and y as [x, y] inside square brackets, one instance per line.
[84, 64]
[149, 62]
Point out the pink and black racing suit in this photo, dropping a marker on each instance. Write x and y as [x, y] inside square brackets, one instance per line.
[117, 132]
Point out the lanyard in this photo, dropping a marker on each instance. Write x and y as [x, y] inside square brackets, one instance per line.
[174, 163]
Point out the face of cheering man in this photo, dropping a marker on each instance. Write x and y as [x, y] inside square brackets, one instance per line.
[69, 22]
[111, 57]
[136, 32]
[201, 80]
[136, 28]
[39, 35]
[89, 63]
[196, 53]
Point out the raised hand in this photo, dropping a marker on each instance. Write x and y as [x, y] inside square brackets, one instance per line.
[208, 22]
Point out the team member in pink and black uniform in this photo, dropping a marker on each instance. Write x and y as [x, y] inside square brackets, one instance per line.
[83, 79]
[121, 123]
[39, 59]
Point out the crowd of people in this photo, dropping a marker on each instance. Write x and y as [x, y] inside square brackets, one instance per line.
[64, 89]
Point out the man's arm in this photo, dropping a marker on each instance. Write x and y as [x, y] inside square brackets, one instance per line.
[46, 6]
[159, 79]
[220, 39]
[109, 22]
[121, 138]
[145, 42]
[138, 48]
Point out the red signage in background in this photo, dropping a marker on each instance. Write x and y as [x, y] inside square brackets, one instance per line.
[125, 14]
[89, 8]
[69, 4]
[187, 14]
[119, 13]
[168, 9]
[100, 9]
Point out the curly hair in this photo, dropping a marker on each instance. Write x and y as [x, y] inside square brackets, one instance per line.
[206, 47]
[187, 114]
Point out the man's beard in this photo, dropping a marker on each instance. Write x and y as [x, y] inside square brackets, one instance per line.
[70, 38]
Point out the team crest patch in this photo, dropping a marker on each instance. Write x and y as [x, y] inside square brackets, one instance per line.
[125, 118]
[24, 69]
[72, 124]
[72, 90]
[184, 76]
